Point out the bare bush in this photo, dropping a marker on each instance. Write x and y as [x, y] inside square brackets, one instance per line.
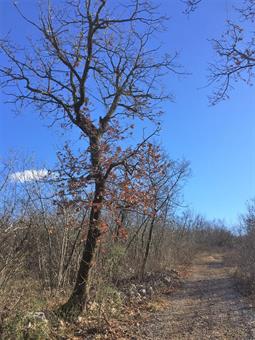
[246, 251]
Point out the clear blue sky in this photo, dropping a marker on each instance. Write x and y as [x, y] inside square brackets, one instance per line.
[219, 141]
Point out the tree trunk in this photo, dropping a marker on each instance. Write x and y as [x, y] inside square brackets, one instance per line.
[120, 224]
[78, 299]
[147, 247]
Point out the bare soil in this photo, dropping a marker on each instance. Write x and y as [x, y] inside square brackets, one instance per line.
[208, 306]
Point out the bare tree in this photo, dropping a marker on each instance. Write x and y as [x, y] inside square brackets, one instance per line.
[164, 179]
[235, 51]
[95, 67]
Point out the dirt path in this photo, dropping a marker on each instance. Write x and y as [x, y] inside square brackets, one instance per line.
[207, 307]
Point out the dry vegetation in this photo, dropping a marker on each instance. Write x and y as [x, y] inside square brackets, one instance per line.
[245, 255]
[41, 249]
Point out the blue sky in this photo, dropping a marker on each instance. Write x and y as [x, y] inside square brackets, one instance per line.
[219, 141]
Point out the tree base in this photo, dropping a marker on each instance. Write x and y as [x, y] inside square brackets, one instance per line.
[72, 309]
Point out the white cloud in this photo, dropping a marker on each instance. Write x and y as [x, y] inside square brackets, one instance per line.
[29, 175]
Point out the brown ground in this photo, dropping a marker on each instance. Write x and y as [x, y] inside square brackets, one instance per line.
[207, 307]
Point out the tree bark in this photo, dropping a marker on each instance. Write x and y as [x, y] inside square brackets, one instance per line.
[147, 247]
[78, 299]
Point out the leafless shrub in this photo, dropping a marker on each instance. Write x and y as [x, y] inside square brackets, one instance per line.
[245, 247]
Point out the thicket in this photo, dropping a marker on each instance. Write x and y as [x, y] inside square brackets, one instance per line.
[41, 246]
[245, 247]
